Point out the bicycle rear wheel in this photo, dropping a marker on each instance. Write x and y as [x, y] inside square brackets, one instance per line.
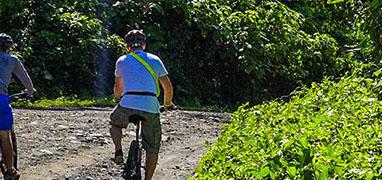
[132, 170]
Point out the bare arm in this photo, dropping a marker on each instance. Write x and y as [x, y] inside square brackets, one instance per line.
[168, 90]
[22, 74]
[118, 88]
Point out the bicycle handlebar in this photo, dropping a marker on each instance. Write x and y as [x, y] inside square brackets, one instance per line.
[21, 95]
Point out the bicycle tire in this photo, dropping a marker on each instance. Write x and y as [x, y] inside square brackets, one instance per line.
[132, 169]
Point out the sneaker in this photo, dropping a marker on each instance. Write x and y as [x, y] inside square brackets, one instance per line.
[11, 175]
[118, 157]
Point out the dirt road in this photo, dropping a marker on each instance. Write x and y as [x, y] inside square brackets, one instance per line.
[75, 144]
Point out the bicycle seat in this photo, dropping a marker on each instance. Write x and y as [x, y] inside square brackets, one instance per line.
[135, 118]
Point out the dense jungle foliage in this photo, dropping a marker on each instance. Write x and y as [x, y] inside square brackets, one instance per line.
[250, 50]
[227, 53]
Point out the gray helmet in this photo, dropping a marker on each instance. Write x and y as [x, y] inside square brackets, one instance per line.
[135, 38]
[5, 41]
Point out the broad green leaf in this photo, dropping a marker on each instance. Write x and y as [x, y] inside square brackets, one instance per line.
[263, 173]
[377, 73]
[292, 171]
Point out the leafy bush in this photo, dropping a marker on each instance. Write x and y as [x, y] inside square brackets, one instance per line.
[332, 130]
[65, 102]
[373, 25]
[60, 42]
[250, 50]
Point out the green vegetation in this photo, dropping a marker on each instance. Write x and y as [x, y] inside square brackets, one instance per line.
[75, 102]
[331, 130]
[251, 51]
[65, 102]
[221, 54]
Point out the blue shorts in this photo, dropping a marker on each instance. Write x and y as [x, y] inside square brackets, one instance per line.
[6, 116]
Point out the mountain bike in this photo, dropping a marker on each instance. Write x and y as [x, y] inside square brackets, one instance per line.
[133, 166]
[22, 95]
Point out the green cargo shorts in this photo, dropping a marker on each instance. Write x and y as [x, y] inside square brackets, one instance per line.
[151, 127]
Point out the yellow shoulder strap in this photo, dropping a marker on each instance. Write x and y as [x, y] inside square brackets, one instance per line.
[148, 68]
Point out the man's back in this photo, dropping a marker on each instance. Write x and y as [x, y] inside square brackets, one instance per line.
[137, 78]
[8, 64]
